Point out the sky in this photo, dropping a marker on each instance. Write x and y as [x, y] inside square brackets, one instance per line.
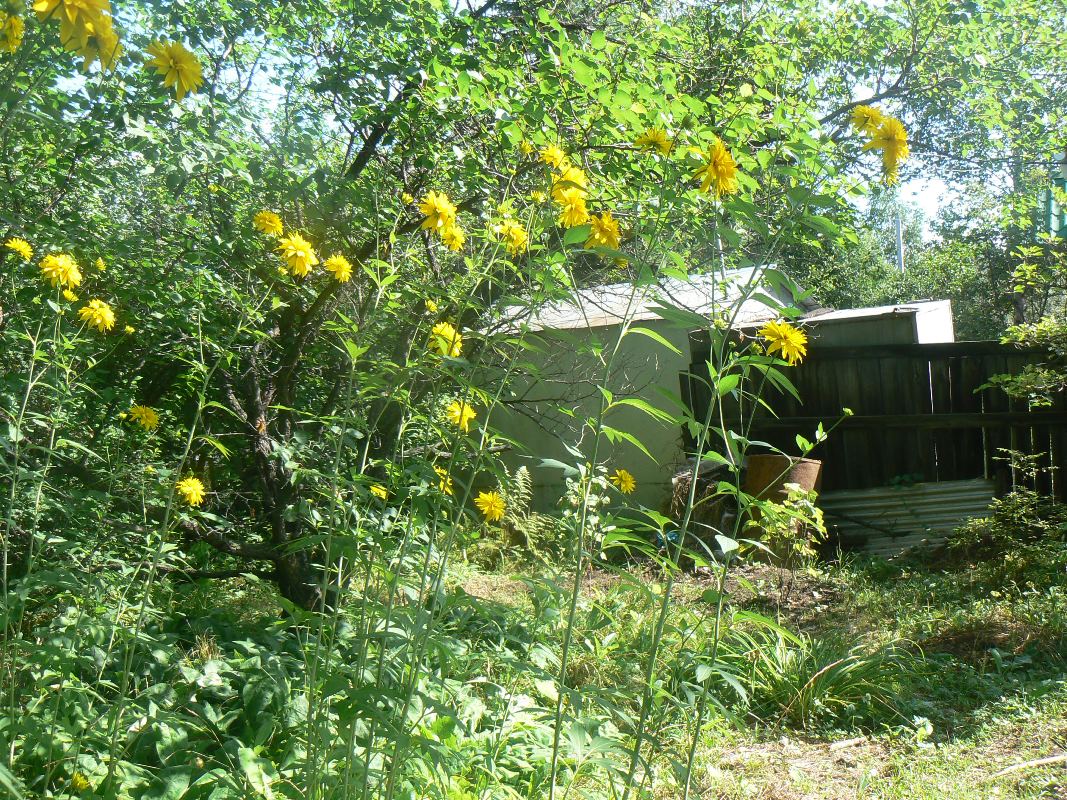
[929, 194]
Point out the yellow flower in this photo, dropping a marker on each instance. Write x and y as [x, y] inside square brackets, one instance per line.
[555, 157]
[603, 232]
[438, 210]
[144, 416]
[431, 306]
[130, 329]
[538, 197]
[491, 504]
[567, 180]
[60, 270]
[298, 254]
[192, 491]
[445, 483]
[525, 147]
[178, 66]
[100, 265]
[340, 267]
[20, 246]
[623, 481]
[514, 236]
[69, 296]
[98, 314]
[783, 338]
[719, 171]
[79, 783]
[453, 237]
[572, 207]
[268, 222]
[866, 120]
[11, 30]
[655, 138]
[75, 18]
[446, 340]
[892, 139]
[407, 198]
[460, 413]
[101, 43]
[379, 491]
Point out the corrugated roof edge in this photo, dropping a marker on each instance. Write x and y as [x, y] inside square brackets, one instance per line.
[832, 314]
[611, 304]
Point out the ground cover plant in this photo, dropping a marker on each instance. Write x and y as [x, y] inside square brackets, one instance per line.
[264, 274]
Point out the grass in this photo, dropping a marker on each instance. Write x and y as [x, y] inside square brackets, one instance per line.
[861, 679]
[962, 672]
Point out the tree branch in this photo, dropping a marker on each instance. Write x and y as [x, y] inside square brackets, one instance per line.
[232, 547]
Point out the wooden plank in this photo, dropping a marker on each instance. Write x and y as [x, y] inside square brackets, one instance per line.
[871, 397]
[970, 445]
[898, 454]
[1058, 452]
[924, 437]
[854, 445]
[1021, 434]
[939, 350]
[999, 419]
[941, 380]
[700, 347]
[837, 452]
[994, 404]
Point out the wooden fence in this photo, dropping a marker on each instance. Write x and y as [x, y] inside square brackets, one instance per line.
[918, 414]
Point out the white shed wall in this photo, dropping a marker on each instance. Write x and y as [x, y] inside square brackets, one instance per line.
[559, 413]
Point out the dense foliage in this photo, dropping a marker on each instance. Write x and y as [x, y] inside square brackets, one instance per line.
[263, 274]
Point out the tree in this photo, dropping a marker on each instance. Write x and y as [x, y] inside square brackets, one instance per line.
[332, 114]
[340, 118]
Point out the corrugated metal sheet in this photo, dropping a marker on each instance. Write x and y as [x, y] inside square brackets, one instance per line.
[610, 304]
[890, 520]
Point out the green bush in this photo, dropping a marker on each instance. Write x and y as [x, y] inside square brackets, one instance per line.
[1021, 517]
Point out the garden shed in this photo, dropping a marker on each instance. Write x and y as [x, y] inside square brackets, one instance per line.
[545, 414]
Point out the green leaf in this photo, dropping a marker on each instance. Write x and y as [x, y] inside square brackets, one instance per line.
[259, 772]
[567, 469]
[79, 447]
[727, 383]
[726, 544]
[646, 407]
[615, 435]
[710, 596]
[656, 337]
[171, 784]
[12, 784]
[224, 451]
[577, 234]
[680, 316]
[355, 350]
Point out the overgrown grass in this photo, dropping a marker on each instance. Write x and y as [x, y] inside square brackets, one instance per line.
[948, 674]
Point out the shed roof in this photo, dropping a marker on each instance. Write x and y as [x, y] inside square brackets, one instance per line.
[611, 304]
[874, 312]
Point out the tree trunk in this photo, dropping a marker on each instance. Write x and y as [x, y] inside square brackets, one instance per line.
[300, 583]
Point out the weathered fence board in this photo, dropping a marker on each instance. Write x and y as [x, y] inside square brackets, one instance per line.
[919, 414]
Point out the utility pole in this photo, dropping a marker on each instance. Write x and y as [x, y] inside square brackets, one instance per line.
[900, 243]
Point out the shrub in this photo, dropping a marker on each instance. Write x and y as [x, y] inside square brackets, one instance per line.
[1020, 517]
